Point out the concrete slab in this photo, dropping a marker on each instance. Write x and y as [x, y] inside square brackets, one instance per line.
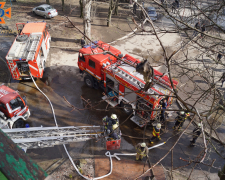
[125, 169]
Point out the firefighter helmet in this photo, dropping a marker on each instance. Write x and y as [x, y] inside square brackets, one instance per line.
[182, 112]
[114, 126]
[143, 145]
[114, 116]
[158, 126]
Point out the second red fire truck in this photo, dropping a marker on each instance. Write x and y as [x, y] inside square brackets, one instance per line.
[122, 84]
[29, 50]
[13, 108]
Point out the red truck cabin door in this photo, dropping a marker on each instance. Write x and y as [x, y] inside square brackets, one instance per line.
[91, 67]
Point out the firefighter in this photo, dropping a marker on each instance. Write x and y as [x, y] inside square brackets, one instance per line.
[82, 42]
[142, 151]
[196, 133]
[109, 122]
[115, 132]
[155, 133]
[134, 7]
[163, 107]
[182, 116]
[197, 26]
[219, 56]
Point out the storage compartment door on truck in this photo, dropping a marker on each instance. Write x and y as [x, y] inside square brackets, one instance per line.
[112, 91]
[42, 56]
[130, 95]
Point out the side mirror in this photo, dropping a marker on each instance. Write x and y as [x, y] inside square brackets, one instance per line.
[25, 99]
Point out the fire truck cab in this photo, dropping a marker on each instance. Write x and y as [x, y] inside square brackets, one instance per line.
[122, 84]
[13, 108]
[29, 51]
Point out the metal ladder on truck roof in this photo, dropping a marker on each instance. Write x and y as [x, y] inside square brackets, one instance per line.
[34, 40]
[12, 68]
[40, 137]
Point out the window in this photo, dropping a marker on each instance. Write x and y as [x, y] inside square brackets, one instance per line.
[48, 8]
[44, 33]
[81, 57]
[91, 63]
[41, 52]
[42, 9]
[15, 103]
[2, 106]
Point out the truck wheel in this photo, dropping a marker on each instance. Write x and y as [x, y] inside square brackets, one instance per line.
[48, 81]
[22, 38]
[19, 124]
[127, 108]
[89, 81]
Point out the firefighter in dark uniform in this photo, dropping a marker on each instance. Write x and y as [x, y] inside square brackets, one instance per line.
[112, 126]
[115, 132]
[182, 116]
[82, 42]
[155, 133]
[196, 133]
[163, 107]
[142, 151]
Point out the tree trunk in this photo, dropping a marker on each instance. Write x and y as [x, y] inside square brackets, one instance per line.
[81, 8]
[47, 2]
[62, 5]
[116, 7]
[87, 17]
[110, 13]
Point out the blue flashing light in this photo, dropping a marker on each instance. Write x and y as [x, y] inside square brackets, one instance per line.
[93, 46]
[20, 59]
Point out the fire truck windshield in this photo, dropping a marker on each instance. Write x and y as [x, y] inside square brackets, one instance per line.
[15, 103]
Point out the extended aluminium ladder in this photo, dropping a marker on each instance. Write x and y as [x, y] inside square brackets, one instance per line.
[40, 137]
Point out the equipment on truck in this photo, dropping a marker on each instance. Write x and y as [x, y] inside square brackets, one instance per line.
[121, 82]
[13, 108]
[29, 50]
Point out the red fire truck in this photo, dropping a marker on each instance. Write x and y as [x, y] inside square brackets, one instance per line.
[122, 84]
[13, 109]
[29, 50]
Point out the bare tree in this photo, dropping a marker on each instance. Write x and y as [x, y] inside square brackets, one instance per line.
[87, 17]
[112, 7]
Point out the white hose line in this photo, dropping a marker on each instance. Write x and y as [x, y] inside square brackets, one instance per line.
[53, 112]
[71, 160]
[115, 155]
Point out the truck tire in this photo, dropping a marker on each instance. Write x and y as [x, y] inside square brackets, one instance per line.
[89, 81]
[19, 124]
[127, 108]
[48, 81]
[21, 38]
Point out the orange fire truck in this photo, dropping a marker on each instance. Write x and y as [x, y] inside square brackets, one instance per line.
[29, 51]
[13, 109]
[121, 83]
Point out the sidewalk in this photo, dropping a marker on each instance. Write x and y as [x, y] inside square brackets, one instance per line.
[125, 169]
